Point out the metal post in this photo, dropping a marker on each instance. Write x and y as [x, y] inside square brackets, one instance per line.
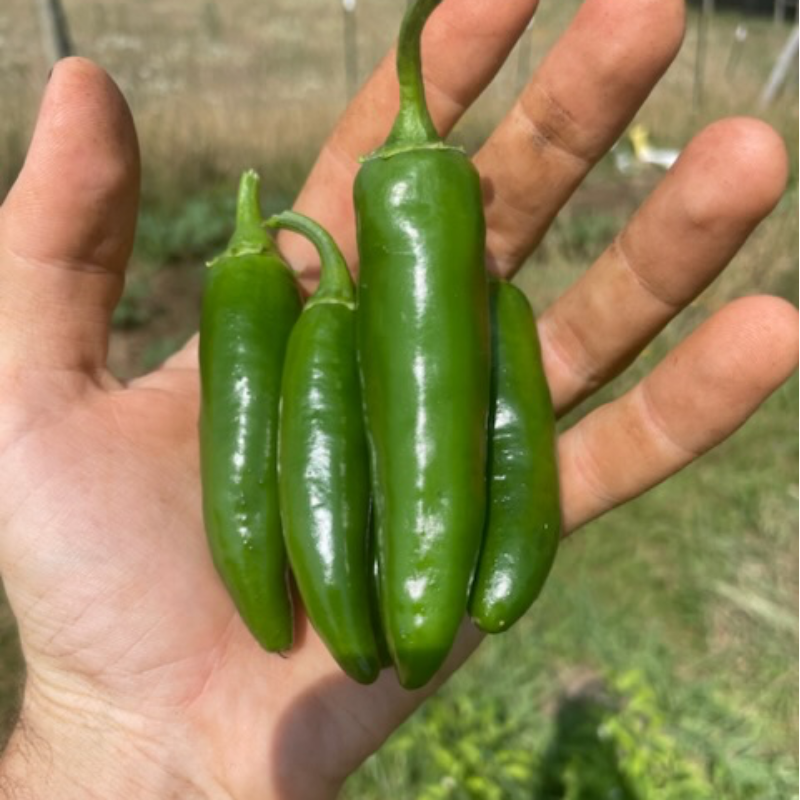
[350, 47]
[700, 57]
[55, 31]
[737, 47]
[780, 71]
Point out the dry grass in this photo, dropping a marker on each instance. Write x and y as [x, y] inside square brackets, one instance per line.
[219, 86]
[215, 86]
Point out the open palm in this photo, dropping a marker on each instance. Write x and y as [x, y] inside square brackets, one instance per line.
[140, 672]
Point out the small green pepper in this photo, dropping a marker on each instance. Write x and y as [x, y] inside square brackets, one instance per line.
[323, 466]
[250, 303]
[423, 342]
[523, 525]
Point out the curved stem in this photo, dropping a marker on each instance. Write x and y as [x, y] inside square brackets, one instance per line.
[413, 124]
[335, 283]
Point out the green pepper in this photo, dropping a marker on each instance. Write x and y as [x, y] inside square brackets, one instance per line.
[423, 343]
[380, 636]
[251, 300]
[323, 466]
[523, 525]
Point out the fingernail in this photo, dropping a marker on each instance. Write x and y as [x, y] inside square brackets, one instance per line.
[49, 75]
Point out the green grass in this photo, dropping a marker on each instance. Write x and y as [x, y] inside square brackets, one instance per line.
[11, 669]
[660, 661]
[671, 620]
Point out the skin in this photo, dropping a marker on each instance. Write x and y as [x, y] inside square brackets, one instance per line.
[141, 680]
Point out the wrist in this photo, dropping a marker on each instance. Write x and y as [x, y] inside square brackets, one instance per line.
[74, 747]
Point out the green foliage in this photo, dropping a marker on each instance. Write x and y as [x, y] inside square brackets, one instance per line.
[473, 745]
[581, 760]
[199, 226]
[693, 692]
[133, 309]
[160, 350]
[11, 670]
[652, 761]
[613, 739]
[194, 229]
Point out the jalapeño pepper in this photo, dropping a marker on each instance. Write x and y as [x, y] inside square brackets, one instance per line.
[323, 464]
[523, 525]
[250, 303]
[423, 343]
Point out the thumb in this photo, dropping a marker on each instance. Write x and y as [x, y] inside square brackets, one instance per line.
[67, 225]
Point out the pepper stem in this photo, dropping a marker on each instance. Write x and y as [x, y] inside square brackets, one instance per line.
[249, 235]
[335, 283]
[413, 124]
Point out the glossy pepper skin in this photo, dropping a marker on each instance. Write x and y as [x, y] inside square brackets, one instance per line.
[323, 466]
[423, 343]
[523, 523]
[380, 636]
[250, 304]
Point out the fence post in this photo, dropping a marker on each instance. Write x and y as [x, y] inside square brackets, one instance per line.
[737, 46]
[350, 47]
[703, 20]
[55, 31]
[780, 71]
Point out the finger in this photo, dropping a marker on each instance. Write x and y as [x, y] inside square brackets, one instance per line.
[464, 45]
[698, 396]
[678, 242]
[67, 225]
[580, 100]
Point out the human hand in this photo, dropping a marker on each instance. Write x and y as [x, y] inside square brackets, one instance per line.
[141, 678]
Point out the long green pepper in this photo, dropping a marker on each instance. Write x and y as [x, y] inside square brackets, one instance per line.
[523, 518]
[250, 303]
[323, 465]
[423, 343]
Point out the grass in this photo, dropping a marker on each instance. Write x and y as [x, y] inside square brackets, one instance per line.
[661, 660]
[11, 669]
[686, 595]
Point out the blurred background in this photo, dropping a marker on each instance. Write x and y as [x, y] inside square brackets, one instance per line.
[660, 661]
